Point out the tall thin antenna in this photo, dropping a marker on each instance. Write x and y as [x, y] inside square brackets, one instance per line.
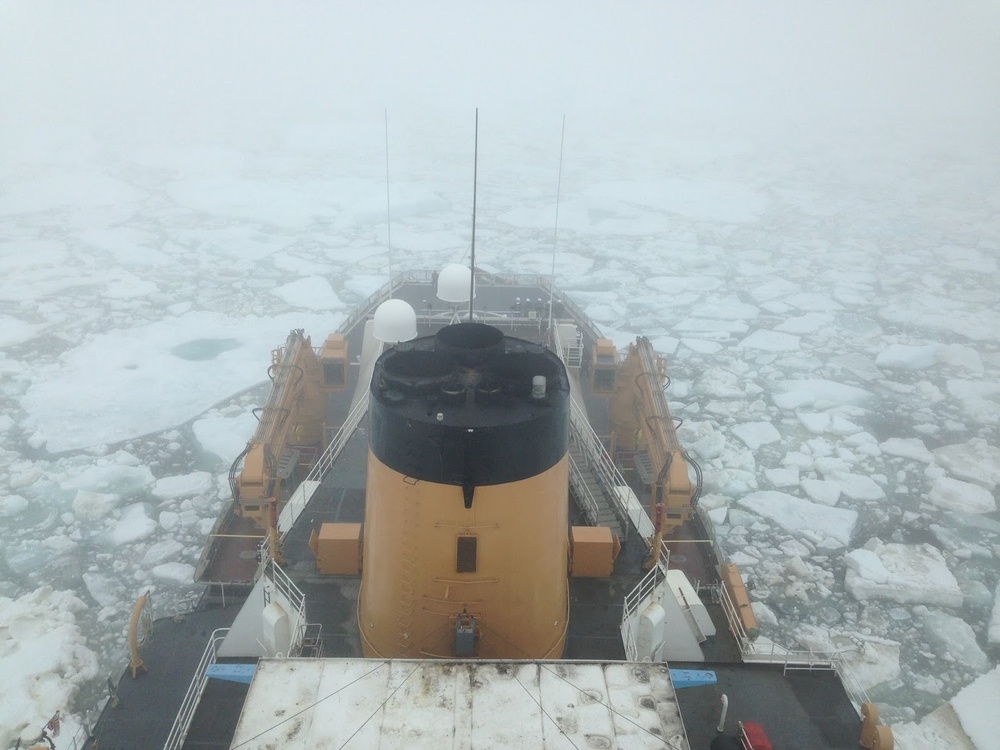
[475, 179]
[555, 231]
[388, 211]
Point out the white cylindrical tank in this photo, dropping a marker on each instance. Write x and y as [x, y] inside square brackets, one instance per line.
[538, 386]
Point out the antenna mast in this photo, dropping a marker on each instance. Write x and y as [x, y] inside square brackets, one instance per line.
[555, 231]
[475, 179]
[388, 212]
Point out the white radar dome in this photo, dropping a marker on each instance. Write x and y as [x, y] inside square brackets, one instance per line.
[394, 321]
[453, 283]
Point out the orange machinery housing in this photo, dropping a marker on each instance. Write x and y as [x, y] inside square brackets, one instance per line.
[641, 423]
[292, 420]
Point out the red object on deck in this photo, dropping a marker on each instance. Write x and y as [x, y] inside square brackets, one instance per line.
[754, 737]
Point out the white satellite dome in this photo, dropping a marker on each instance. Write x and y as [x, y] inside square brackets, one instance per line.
[453, 283]
[395, 321]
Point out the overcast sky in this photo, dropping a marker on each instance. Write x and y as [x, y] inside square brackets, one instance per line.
[130, 71]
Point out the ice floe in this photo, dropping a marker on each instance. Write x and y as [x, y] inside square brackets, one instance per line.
[771, 341]
[756, 434]
[801, 516]
[976, 461]
[954, 638]
[908, 574]
[131, 382]
[954, 494]
[44, 660]
[183, 485]
[134, 524]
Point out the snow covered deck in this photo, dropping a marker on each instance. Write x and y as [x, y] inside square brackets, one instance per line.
[395, 703]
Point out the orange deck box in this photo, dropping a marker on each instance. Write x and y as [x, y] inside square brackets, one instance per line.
[338, 549]
[594, 549]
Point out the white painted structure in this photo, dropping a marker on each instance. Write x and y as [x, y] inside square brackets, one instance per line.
[366, 703]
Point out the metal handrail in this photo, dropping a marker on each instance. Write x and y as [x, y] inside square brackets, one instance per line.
[576, 312]
[333, 450]
[185, 715]
[80, 738]
[381, 294]
[642, 591]
[482, 279]
[735, 622]
[608, 475]
[293, 509]
[629, 639]
[576, 478]
[607, 470]
[811, 659]
[630, 605]
[753, 650]
[263, 558]
[287, 588]
[852, 684]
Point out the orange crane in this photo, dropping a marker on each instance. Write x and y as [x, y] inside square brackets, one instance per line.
[641, 423]
[291, 423]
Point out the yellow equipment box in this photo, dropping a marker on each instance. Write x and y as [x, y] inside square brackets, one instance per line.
[593, 550]
[337, 547]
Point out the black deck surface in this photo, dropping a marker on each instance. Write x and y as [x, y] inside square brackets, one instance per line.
[801, 711]
[218, 713]
[148, 705]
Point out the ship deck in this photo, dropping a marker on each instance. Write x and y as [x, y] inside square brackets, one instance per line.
[800, 710]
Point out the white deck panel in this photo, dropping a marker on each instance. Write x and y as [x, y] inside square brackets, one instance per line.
[380, 703]
[643, 698]
[286, 711]
[575, 695]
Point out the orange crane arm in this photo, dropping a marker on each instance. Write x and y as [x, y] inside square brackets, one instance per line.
[641, 419]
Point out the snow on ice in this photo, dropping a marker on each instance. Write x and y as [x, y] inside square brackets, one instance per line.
[134, 524]
[771, 341]
[311, 293]
[908, 574]
[801, 516]
[975, 461]
[756, 434]
[973, 707]
[184, 485]
[993, 632]
[114, 387]
[44, 659]
[954, 494]
[225, 436]
[954, 638]
[901, 357]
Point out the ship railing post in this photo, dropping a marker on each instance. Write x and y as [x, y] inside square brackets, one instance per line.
[735, 623]
[299, 500]
[608, 475]
[591, 508]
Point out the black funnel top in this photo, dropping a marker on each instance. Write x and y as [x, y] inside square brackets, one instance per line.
[458, 407]
[469, 344]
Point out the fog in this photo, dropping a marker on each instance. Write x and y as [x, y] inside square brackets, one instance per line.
[797, 74]
[798, 202]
